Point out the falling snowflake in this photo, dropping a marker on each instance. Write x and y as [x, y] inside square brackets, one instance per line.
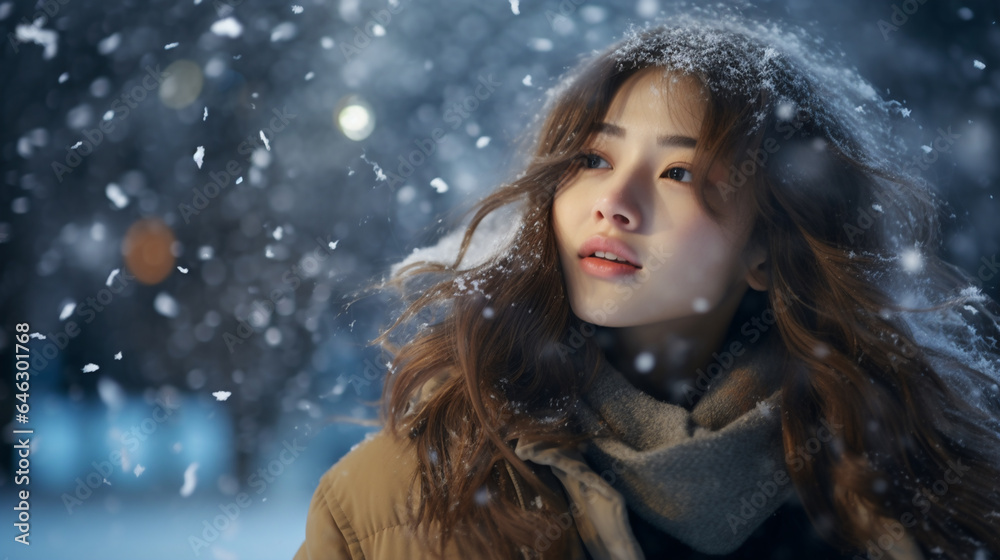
[182, 270]
[47, 38]
[284, 31]
[91, 367]
[482, 496]
[221, 395]
[109, 44]
[785, 110]
[118, 356]
[190, 480]
[139, 469]
[227, 27]
[116, 195]
[379, 174]
[540, 44]
[439, 185]
[67, 310]
[644, 362]
[912, 261]
[199, 156]
[166, 305]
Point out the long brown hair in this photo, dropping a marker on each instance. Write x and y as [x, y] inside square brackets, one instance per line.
[834, 207]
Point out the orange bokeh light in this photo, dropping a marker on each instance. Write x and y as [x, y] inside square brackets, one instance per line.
[147, 250]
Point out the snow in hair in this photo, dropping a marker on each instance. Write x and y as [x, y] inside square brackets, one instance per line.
[731, 53]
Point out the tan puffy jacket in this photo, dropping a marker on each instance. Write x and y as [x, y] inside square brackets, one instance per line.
[358, 509]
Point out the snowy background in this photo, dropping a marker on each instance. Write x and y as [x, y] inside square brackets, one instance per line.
[200, 186]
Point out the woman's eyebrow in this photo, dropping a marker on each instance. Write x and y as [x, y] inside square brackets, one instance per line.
[666, 140]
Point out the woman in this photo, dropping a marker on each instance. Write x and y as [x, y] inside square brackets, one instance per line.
[718, 328]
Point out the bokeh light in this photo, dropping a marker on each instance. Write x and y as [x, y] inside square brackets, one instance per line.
[148, 250]
[355, 118]
[183, 84]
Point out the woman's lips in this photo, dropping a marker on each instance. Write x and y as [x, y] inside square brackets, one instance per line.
[603, 268]
[600, 243]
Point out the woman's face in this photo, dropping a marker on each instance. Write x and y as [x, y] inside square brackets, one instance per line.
[634, 198]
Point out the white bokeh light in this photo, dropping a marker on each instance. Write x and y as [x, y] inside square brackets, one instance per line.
[355, 118]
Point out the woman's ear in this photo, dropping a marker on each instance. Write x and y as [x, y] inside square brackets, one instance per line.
[759, 269]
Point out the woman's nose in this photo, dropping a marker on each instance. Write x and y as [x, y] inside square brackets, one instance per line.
[620, 205]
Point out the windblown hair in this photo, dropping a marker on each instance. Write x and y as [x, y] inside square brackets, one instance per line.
[864, 337]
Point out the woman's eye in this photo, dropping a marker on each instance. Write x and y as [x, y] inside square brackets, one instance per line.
[593, 161]
[679, 174]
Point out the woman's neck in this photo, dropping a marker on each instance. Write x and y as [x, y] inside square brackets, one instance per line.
[664, 359]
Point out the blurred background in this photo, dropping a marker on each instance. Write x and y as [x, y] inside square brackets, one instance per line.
[192, 191]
